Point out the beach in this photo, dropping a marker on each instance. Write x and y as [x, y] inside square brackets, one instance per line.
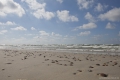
[55, 65]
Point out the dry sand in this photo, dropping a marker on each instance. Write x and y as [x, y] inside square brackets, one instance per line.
[50, 65]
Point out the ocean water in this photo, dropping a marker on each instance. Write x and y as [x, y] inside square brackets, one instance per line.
[73, 48]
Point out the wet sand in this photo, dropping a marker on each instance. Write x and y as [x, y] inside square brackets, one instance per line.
[50, 65]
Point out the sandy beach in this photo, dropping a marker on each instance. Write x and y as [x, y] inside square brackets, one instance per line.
[51, 65]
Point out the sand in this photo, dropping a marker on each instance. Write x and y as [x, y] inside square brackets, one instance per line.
[51, 65]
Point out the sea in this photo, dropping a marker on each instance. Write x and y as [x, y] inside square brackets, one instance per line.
[112, 49]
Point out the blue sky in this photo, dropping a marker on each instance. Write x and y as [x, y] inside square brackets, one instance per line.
[59, 22]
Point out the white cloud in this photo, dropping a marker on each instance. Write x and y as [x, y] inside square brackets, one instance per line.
[38, 10]
[28, 34]
[89, 17]
[110, 26]
[19, 28]
[9, 6]
[34, 5]
[43, 33]
[3, 31]
[18, 40]
[8, 23]
[32, 28]
[85, 33]
[111, 15]
[36, 37]
[99, 7]
[54, 34]
[85, 4]
[53, 38]
[41, 13]
[65, 16]
[2, 14]
[60, 1]
[86, 26]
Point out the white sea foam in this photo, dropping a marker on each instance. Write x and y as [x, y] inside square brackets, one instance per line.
[92, 49]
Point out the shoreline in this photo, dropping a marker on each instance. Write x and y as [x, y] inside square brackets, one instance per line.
[72, 51]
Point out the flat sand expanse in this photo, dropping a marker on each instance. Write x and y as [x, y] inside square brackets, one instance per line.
[50, 65]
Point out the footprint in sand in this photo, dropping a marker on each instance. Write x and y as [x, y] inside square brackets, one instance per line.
[74, 73]
[90, 71]
[9, 76]
[91, 67]
[102, 74]
[78, 71]
[98, 64]
[8, 63]
[3, 69]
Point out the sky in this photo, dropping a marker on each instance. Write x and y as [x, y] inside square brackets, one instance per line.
[59, 21]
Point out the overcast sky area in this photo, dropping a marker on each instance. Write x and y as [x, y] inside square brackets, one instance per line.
[59, 21]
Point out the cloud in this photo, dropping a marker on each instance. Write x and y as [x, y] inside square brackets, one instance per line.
[43, 33]
[99, 7]
[111, 15]
[20, 28]
[8, 23]
[85, 33]
[86, 26]
[36, 37]
[32, 28]
[89, 17]
[110, 26]
[28, 34]
[3, 31]
[85, 4]
[54, 34]
[60, 1]
[65, 16]
[10, 7]
[34, 5]
[41, 13]
[53, 38]
[38, 10]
